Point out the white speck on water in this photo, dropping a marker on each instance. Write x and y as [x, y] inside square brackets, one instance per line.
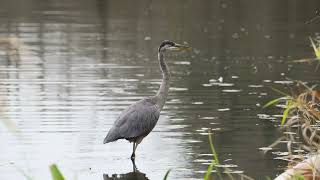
[255, 86]
[267, 36]
[197, 102]
[178, 89]
[224, 84]
[270, 57]
[208, 118]
[147, 38]
[182, 62]
[220, 79]
[214, 123]
[234, 77]
[196, 51]
[265, 148]
[177, 119]
[207, 85]
[231, 90]
[224, 5]
[292, 35]
[283, 82]
[235, 36]
[223, 109]
[266, 80]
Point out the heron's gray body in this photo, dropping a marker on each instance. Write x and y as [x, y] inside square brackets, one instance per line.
[138, 120]
[135, 122]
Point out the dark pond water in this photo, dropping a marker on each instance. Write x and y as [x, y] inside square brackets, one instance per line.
[68, 68]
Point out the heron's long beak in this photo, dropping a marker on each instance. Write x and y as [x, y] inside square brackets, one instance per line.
[180, 47]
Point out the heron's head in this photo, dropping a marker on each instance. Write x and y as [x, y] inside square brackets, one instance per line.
[167, 45]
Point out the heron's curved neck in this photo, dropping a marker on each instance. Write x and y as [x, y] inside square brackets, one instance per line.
[165, 84]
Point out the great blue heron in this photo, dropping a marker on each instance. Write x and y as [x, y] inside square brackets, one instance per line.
[138, 120]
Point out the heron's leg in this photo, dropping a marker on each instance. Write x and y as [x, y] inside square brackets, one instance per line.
[133, 151]
[134, 167]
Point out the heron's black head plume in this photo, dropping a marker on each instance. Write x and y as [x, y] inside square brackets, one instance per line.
[166, 43]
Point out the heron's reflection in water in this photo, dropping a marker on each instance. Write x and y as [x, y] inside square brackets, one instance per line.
[134, 175]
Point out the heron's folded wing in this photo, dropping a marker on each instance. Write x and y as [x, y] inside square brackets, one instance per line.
[138, 120]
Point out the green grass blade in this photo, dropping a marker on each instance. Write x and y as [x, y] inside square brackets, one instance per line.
[55, 173]
[268, 178]
[167, 174]
[213, 150]
[298, 177]
[215, 160]
[286, 112]
[316, 50]
[279, 91]
[272, 102]
[209, 170]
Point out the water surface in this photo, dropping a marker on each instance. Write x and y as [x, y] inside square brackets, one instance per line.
[68, 68]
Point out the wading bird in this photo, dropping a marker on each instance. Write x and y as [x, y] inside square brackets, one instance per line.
[138, 120]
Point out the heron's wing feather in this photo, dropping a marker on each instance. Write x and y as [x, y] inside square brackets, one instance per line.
[138, 120]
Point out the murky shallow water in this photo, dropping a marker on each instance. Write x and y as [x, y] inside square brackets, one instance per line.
[69, 69]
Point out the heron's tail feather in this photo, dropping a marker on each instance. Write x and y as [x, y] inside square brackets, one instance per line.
[111, 136]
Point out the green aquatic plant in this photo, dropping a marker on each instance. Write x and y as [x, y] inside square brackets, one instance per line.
[214, 162]
[289, 104]
[297, 177]
[300, 129]
[316, 48]
[166, 175]
[55, 172]
[304, 103]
